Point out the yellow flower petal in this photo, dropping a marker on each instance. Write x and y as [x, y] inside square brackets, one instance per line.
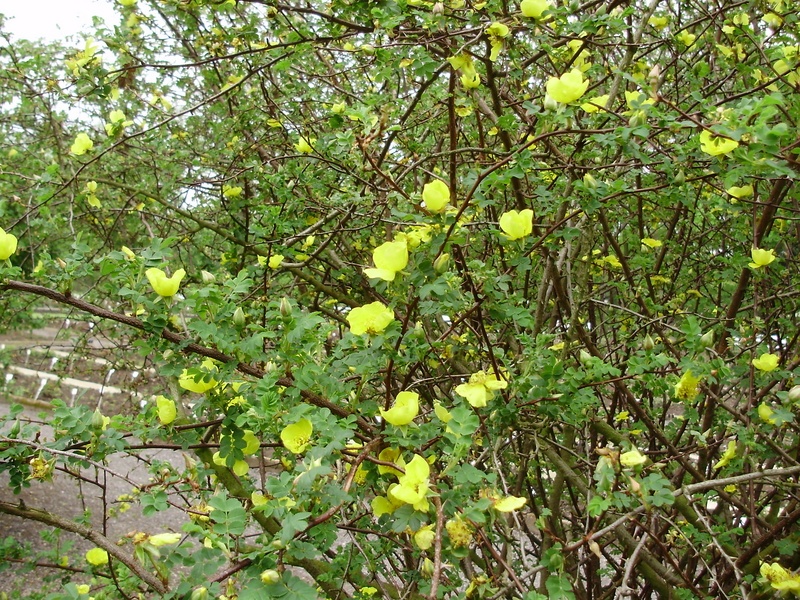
[595, 104]
[305, 146]
[567, 88]
[200, 386]
[517, 224]
[97, 557]
[166, 410]
[164, 539]
[252, 443]
[728, 455]
[509, 504]
[533, 9]
[370, 318]
[761, 258]
[275, 261]
[687, 386]
[436, 195]
[424, 537]
[404, 410]
[81, 145]
[389, 258]
[714, 145]
[632, 458]
[295, 437]
[737, 192]
[8, 244]
[162, 285]
[766, 362]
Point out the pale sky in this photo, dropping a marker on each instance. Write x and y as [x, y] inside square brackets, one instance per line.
[54, 19]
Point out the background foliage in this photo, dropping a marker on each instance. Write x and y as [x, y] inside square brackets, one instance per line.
[267, 148]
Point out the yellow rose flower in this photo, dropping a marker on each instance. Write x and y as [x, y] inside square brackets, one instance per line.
[97, 557]
[480, 388]
[715, 145]
[412, 487]
[167, 410]
[533, 9]
[517, 224]
[295, 437]
[389, 258]
[404, 410]
[8, 244]
[81, 145]
[305, 146]
[436, 195]
[509, 504]
[761, 258]
[370, 318]
[162, 285]
[595, 104]
[632, 458]
[567, 88]
[687, 386]
[766, 362]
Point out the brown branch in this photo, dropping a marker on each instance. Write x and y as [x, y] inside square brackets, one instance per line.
[187, 346]
[101, 541]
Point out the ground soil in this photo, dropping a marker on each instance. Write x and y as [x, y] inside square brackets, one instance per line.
[75, 364]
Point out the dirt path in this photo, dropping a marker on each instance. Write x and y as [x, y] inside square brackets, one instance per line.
[42, 368]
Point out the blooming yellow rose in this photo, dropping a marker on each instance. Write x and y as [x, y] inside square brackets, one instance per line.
[533, 9]
[389, 258]
[305, 146]
[567, 88]
[97, 557]
[766, 362]
[517, 224]
[8, 244]
[595, 104]
[632, 458]
[162, 285]
[480, 388]
[404, 410]
[81, 145]
[370, 318]
[761, 258]
[687, 386]
[436, 195]
[295, 437]
[715, 145]
[166, 410]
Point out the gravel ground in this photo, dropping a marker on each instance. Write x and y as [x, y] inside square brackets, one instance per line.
[31, 356]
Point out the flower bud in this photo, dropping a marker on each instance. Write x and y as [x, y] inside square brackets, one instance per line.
[238, 317]
[648, 343]
[286, 307]
[200, 593]
[594, 547]
[270, 576]
[549, 103]
[208, 277]
[680, 178]
[441, 263]
[637, 118]
[98, 420]
[585, 357]
[589, 181]
[427, 568]
[438, 8]
[707, 340]
[794, 393]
